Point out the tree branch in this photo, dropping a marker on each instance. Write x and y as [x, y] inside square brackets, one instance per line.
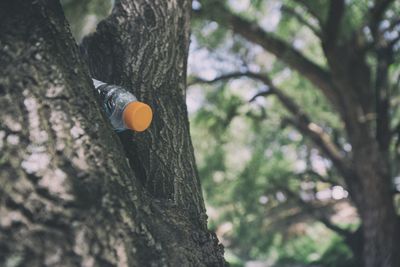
[300, 119]
[332, 25]
[376, 14]
[321, 139]
[378, 10]
[320, 177]
[334, 227]
[195, 80]
[307, 6]
[318, 214]
[303, 123]
[261, 93]
[382, 103]
[393, 24]
[394, 42]
[287, 53]
[292, 12]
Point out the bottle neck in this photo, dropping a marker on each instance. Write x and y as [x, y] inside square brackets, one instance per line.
[97, 83]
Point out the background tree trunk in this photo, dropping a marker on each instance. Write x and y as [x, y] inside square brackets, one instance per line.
[71, 193]
[359, 94]
[371, 183]
[375, 204]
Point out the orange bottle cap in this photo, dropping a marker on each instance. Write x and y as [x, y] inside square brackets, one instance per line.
[137, 116]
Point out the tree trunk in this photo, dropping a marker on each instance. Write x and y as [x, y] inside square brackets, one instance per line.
[370, 181]
[73, 194]
[143, 45]
[380, 223]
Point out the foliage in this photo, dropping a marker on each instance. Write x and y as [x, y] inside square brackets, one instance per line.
[250, 160]
[244, 174]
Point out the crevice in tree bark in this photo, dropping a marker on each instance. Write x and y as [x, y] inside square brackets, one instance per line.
[77, 201]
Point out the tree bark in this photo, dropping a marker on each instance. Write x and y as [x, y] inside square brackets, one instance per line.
[73, 194]
[380, 223]
[143, 45]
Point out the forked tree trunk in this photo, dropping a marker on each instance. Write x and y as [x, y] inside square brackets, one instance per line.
[73, 194]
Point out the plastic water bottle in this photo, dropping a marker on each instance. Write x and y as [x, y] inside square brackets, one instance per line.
[122, 108]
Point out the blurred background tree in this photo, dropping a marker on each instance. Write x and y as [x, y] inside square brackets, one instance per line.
[301, 99]
[295, 123]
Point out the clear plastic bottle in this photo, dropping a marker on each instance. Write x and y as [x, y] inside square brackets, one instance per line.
[122, 108]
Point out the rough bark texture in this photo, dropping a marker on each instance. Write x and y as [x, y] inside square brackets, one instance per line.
[144, 46]
[73, 194]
